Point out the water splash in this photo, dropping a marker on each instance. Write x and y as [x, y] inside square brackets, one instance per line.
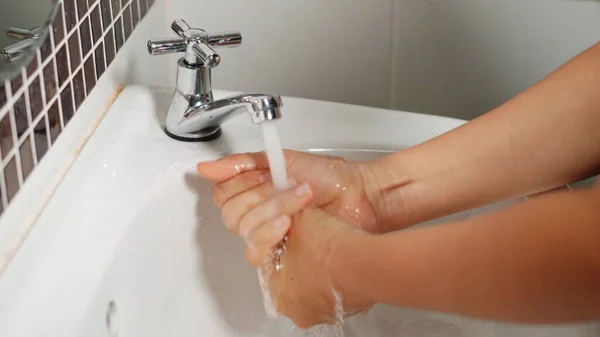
[267, 299]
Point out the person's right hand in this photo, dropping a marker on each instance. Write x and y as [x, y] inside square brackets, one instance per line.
[341, 188]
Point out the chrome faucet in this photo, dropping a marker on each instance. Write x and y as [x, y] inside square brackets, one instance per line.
[194, 115]
[27, 38]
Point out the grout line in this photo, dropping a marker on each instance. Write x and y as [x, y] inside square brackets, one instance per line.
[40, 73]
[29, 122]
[33, 150]
[13, 127]
[45, 110]
[43, 114]
[17, 158]
[48, 131]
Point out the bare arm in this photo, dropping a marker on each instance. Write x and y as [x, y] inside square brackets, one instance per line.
[543, 138]
[537, 262]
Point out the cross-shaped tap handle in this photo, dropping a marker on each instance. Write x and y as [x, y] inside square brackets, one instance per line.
[196, 43]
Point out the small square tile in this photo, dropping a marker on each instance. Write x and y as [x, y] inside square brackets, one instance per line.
[116, 7]
[33, 65]
[100, 66]
[85, 36]
[74, 52]
[106, 14]
[82, 8]
[119, 40]
[41, 139]
[26, 154]
[96, 24]
[66, 102]
[143, 8]
[127, 22]
[11, 179]
[62, 65]
[70, 15]
[16, 82]
[78, 89]
[20, 114]
[3, 96]
[49, 80]
[54, 121]
[109, 46]
[6, 135]
[46, 48]
[90, 74]
[35, 98]
[135, 12]
[58, 26]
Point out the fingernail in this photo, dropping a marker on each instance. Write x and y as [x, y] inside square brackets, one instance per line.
[302, 190]
[264, 177]
[282, 222]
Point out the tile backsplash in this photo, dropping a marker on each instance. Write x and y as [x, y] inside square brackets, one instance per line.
[38, 104]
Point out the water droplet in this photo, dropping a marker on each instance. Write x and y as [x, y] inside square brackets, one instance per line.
[239, 168]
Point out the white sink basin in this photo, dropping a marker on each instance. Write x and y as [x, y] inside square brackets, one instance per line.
[131, 244]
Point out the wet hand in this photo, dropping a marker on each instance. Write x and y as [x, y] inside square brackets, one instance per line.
[305, 288]
[339, 187]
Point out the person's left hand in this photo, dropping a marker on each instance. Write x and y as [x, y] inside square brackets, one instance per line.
[303, 288]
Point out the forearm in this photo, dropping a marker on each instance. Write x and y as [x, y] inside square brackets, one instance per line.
[538, 262]
[541, 139]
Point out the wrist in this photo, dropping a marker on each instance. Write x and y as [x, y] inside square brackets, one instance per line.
[383, 180]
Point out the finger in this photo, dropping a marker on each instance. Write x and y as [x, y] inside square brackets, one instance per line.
[288, 202]
[263, 239]
[230, 166]
[236, 207]
[238, 184]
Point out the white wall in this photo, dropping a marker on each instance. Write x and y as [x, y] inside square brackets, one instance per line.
[457, 58]
[463, 57]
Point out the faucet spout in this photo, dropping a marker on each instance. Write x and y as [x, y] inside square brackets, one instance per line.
[203, 118]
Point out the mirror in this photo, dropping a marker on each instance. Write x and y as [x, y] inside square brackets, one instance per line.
[23, 27]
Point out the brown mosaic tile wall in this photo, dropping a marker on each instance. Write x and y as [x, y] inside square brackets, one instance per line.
[38, 104]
